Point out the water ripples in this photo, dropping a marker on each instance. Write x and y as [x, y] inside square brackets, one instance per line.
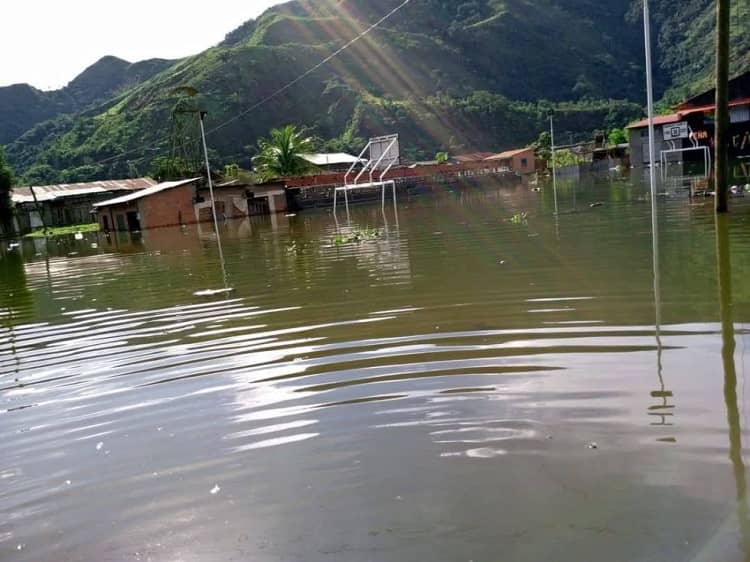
[373, 372]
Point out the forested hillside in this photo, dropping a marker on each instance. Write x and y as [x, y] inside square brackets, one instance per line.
[23, 106]
[456, 76]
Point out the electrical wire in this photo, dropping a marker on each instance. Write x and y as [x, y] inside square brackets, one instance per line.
[284, 88]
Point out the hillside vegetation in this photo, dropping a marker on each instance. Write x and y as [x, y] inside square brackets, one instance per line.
[23, 106]
[456, 76]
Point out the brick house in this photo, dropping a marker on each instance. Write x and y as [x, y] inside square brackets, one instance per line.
[164, 204]
[522, 160]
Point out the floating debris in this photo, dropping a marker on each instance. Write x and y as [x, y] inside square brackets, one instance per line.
[592, 445]
[78, 235]
[213, 292]
[215, 490]
[99, 446]
[360, 235]
[596, 204]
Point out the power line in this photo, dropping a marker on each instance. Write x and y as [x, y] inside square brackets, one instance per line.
[284, 88]
[311, 70]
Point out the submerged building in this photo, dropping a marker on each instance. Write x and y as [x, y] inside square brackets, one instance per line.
[188, 201]
[521, 161]
[67, 204]
[689, 129]
[163, 204]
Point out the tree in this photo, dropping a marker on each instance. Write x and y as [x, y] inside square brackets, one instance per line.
[565, 158]
[6, 182]
[543, 147]
[169, 169]
[441, 157]
[617, 136]
[281, 154]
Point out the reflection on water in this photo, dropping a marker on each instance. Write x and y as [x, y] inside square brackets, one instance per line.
[459, 385]
[724, 266]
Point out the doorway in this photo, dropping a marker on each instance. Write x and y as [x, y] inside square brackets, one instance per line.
[258, 206]
[134, 223]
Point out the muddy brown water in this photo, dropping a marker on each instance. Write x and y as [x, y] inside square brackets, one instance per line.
[442, 383]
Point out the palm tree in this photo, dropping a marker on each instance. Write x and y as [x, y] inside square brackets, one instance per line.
[6, 182]
[281, 154]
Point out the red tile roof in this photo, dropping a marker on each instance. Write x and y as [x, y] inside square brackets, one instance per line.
[658, 120]
[509, 154]
[687, 110]
[683, 111]
[472, 157]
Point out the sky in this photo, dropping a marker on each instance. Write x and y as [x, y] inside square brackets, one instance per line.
[47, 43]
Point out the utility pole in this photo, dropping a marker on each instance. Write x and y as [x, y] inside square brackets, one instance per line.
[650, 103]
[721, 135]
[552, 159]
[201, 116]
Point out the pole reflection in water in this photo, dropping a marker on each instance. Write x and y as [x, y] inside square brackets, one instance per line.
[226, 289]
[724, 264]
[663, 409]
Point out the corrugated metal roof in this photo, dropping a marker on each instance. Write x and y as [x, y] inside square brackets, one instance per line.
[332, 159]
[144, 193]
[62, 190]
[509, 154]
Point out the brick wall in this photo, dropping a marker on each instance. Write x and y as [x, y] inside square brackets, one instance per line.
[466, 169]
[518, 162]
[168, 208]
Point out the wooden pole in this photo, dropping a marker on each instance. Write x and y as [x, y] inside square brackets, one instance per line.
[721, 136]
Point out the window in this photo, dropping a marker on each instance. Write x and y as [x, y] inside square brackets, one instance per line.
[524, 162]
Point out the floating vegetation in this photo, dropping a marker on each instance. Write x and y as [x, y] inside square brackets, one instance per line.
[76, 230]
[519, 218]
[360, 235]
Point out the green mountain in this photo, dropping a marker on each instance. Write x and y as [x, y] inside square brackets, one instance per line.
[23, 106]
[457, 76]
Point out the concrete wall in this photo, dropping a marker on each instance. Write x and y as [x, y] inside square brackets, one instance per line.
[275, 195]
[231, 202]
[115, 218]
[639, 146]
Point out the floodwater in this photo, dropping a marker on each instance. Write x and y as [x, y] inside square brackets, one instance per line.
[453, 384]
